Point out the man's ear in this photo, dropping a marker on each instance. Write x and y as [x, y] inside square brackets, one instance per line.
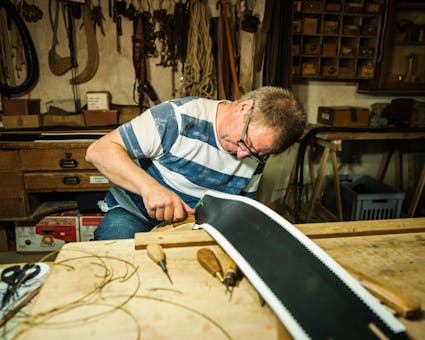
[246, 106]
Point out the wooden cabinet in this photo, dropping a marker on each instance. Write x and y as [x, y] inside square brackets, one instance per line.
[401, 67]
[37, 176]
[336, 39]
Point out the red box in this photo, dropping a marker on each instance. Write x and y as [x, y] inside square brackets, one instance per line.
[88, 223]
[49, 234]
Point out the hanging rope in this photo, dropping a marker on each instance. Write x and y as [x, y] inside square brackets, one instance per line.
[198, 68]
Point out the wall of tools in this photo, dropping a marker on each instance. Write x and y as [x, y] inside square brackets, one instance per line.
[141, 51]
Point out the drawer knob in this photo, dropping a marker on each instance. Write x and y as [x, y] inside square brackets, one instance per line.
[71, 180]
[68, 162]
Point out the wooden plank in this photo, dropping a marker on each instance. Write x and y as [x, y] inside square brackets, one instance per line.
[172, 239]
[362, 228]
[370, 135]
[185, 238]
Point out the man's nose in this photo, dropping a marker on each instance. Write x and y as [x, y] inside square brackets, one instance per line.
[242, 153]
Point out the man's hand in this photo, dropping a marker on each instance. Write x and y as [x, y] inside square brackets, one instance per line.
[165, 205]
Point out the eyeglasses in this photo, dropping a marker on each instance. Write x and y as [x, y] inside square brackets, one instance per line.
[241, 143]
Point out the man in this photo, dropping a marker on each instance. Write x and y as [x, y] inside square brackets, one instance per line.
[163, 161]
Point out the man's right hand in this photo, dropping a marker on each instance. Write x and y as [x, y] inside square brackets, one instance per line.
[165, 205]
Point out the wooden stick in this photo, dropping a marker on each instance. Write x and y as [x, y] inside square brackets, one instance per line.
[230, 50]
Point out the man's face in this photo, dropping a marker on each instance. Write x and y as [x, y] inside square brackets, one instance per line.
[245, 138]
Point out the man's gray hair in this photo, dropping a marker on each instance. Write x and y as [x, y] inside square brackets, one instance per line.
[278, 108]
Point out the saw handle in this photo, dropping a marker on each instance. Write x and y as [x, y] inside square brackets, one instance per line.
[402, 304]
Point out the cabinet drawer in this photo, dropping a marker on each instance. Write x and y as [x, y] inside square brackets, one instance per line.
[11, 184]
[54, 159]
[65, 181]
[9, 159]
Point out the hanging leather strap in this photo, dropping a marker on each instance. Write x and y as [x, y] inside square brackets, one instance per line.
[92, 49]
[57, 64]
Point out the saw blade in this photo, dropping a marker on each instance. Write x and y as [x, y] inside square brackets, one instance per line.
[312, 295]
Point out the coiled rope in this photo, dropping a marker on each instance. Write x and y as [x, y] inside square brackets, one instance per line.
[198, 67]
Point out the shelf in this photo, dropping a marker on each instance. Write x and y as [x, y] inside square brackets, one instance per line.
[401, 69]
[331, 42]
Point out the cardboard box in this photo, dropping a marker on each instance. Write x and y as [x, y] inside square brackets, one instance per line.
[21, 106]
[101, 117]
[88, 223]
[21, 121]
[49, 234]
[348, 116]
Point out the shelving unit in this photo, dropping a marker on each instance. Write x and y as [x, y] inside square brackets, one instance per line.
[402, 66]
[336, 39]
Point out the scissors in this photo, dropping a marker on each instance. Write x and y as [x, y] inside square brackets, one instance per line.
[15, 276]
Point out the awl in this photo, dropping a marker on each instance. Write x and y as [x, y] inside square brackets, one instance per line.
[230, 271]
[157, 255]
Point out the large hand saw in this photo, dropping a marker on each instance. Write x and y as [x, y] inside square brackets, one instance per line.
[311, 294]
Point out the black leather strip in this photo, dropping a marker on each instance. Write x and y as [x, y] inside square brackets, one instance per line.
[319, 300]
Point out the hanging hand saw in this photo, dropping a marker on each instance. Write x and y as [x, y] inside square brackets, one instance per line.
[311, 294]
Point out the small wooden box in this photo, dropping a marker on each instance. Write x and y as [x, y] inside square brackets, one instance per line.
[333, 6]
[100, 117]
[346, 72]
[313, 6]
[310, 25]
[354, 7]
[369, 29]
[329, 71]
[351, 29]
[63, 120]
[21, 106]
[21, 121]
[367, 71]
[330, 27]
[297, 26]
[348, 116]
[373, 7]
[348, 51]
[329, 49]
[309, 69]
[312, 48]
[296, 49]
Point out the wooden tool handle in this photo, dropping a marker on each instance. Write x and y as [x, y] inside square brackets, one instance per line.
[230, 270]
[403, 305]
[209, 261]
[156, 253]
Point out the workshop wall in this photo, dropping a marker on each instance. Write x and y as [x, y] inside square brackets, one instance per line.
[116, 75]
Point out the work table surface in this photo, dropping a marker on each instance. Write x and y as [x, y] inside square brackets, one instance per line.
[109, 289]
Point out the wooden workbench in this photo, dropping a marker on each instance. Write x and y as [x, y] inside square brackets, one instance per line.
[107, 289]
[331, 142]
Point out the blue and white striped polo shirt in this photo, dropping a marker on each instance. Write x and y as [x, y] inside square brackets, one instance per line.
[176, 143]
